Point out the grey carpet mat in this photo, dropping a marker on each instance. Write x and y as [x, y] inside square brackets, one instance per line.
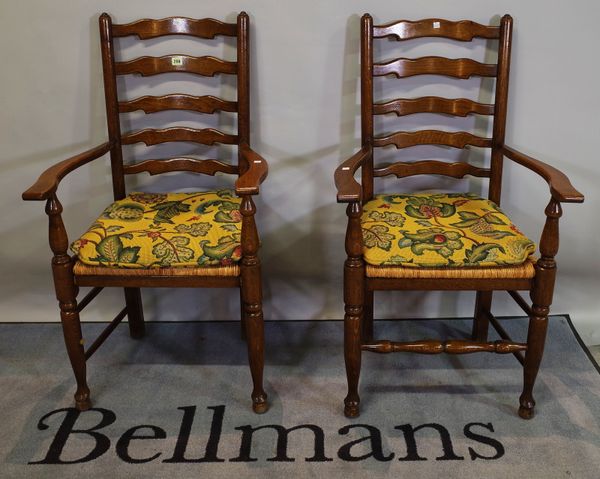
[176, 404]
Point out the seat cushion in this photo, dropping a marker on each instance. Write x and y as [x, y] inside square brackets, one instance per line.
[440, 230]
[156, 230]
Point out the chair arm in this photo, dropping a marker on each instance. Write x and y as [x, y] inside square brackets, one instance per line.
[348, 189]
[248, 183]
[48, 181]
[560, 187]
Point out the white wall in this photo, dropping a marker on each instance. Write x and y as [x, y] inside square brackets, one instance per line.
[305, 120]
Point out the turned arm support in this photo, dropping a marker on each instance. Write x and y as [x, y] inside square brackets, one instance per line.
[560, 187]
[46, 185]
[248, 183]
[562, 191]
[245, 186]
[348, 189]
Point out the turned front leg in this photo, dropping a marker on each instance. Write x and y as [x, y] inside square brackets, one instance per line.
[354, 293]
[252, 303]
[66, 293]
[541, 295]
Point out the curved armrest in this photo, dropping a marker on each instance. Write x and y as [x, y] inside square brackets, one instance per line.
[348, 189]
[48, 181]
[560, 187]
[248, 183]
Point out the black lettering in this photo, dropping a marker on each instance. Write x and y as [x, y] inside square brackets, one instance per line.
[129, 435]
[376, 445]
[212, 446]
[282, 443]
[497, 445]
[411, 443]
[67, 428]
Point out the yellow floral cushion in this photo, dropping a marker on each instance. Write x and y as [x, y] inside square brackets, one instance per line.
[151, 230]
[433, 230]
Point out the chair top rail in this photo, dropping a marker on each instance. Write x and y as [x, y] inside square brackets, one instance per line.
[203, 28]
[463, 30]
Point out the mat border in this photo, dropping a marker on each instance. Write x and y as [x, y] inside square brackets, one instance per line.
[582, 345]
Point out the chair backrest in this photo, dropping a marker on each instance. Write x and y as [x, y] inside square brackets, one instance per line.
[462, 68]
[146, 29]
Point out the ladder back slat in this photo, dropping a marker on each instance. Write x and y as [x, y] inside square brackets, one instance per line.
[205, 66]
[202, 104]
[203, 28]
[431, 167]
[463, 30]
[433, 104]
[458, 67]
[405, 139]
[206, 136]
[195, 165]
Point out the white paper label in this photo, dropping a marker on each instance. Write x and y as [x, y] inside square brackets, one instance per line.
[176, 61]
[436, 24]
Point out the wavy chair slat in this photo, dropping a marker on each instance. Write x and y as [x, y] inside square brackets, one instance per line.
[431, 167]
[194, 165]
[203, 28]
[432, 104]
[206, 136]
[463, 30]
[148, 66]
[451, 67]
[177, 101]
[405, 139]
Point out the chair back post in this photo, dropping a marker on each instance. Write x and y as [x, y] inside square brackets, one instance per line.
[243, 86]
[366, 94]
[112, 105]
[500, 109]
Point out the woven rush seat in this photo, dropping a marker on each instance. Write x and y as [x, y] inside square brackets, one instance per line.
[454, 230]
[82, 269]
[524, 270]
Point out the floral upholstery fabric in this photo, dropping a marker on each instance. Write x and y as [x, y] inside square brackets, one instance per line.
[146, 230]
[440, 230]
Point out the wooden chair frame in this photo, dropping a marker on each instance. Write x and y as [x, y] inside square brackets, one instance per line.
[251, 170]
[358, 287]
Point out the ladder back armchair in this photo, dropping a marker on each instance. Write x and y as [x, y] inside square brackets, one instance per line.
[456, 241]
[203, 239]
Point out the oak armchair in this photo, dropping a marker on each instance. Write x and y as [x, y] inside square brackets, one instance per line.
[202, 239]
[456, 241]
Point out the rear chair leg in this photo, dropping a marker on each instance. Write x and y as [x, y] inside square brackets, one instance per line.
[481, 323]
[367, 317]
[135, 312]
